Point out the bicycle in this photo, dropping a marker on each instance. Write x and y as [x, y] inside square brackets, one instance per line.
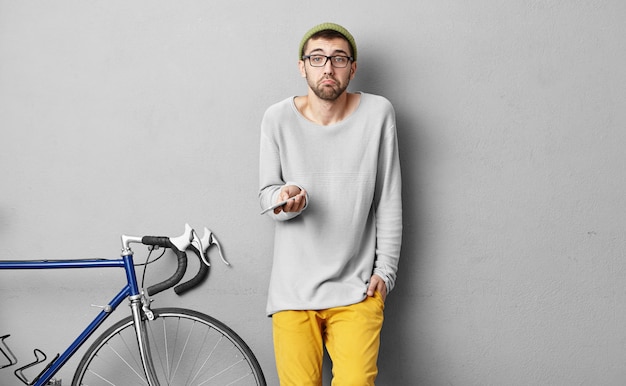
[164, 346]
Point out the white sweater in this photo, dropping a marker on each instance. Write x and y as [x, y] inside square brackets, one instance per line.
[351, 227]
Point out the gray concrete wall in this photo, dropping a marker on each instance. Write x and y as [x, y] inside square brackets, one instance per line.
[139, 116]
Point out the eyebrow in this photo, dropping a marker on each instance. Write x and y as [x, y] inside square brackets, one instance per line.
[336, 52]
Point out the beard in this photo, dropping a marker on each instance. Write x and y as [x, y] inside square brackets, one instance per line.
[328, 92]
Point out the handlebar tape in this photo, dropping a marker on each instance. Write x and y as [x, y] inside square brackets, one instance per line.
[180, 270]
[201, 276]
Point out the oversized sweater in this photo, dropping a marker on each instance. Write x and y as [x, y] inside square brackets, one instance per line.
[351, 227]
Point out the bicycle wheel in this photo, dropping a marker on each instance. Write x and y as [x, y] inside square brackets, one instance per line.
[187, 348]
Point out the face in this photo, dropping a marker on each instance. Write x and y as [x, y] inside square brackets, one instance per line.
[327, 82]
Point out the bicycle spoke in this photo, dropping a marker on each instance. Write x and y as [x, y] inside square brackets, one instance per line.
[196, 359]
[183, 350]
[221, 372]
[187, 348]
[102, 378]
[140, 376]
[206, 360]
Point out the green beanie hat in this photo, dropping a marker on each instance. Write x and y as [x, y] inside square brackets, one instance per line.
[327, 26]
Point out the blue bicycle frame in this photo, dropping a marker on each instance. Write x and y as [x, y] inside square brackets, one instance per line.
[131, 289]
[139, 304]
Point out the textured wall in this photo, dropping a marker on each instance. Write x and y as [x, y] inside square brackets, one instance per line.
[136, 117]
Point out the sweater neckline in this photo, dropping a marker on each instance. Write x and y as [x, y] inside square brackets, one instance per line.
[348, 118]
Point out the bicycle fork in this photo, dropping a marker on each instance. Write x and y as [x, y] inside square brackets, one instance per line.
[137, 309]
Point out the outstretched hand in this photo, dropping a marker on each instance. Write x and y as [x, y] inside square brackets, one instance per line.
[296, 204]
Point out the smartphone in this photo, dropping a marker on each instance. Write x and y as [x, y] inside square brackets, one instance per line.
[278, 204]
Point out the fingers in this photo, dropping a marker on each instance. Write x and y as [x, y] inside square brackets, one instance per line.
[377, 284]
[297, 204]
[296, 197]
[371, 289]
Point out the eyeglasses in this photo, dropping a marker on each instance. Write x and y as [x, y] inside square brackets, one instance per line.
[337, 61]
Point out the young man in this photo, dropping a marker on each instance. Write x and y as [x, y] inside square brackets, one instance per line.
[337, 240]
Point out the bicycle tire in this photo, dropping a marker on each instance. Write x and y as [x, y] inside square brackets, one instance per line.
[187, 348]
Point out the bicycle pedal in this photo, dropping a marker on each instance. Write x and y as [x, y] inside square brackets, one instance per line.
[54, 382]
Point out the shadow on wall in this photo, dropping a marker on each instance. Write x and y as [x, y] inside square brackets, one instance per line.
[398, 355]
[397, 360]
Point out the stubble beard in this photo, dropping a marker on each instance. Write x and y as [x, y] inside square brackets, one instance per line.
[327, 92]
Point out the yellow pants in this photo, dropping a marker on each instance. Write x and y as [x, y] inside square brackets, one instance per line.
[351, 335]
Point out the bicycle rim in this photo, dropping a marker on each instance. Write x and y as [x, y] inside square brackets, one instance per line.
[187, 348]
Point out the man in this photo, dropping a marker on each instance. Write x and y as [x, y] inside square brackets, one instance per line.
[334, 155]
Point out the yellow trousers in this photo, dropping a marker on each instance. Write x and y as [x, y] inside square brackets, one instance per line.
[351, 335]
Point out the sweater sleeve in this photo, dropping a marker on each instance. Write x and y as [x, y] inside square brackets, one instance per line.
[388, 206]
[270, 171]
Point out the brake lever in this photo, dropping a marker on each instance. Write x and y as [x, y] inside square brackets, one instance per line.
[205, 244]
[183, 241]
[197, 242]
[200, 247]
[209, 239]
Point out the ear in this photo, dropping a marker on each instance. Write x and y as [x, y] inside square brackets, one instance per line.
[352, 70]
[302, 68]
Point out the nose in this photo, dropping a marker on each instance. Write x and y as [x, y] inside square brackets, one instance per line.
[328, 67]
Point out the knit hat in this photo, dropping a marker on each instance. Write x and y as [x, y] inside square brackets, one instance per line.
[327, 26]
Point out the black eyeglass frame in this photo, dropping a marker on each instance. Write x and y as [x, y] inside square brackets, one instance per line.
[350, 59]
